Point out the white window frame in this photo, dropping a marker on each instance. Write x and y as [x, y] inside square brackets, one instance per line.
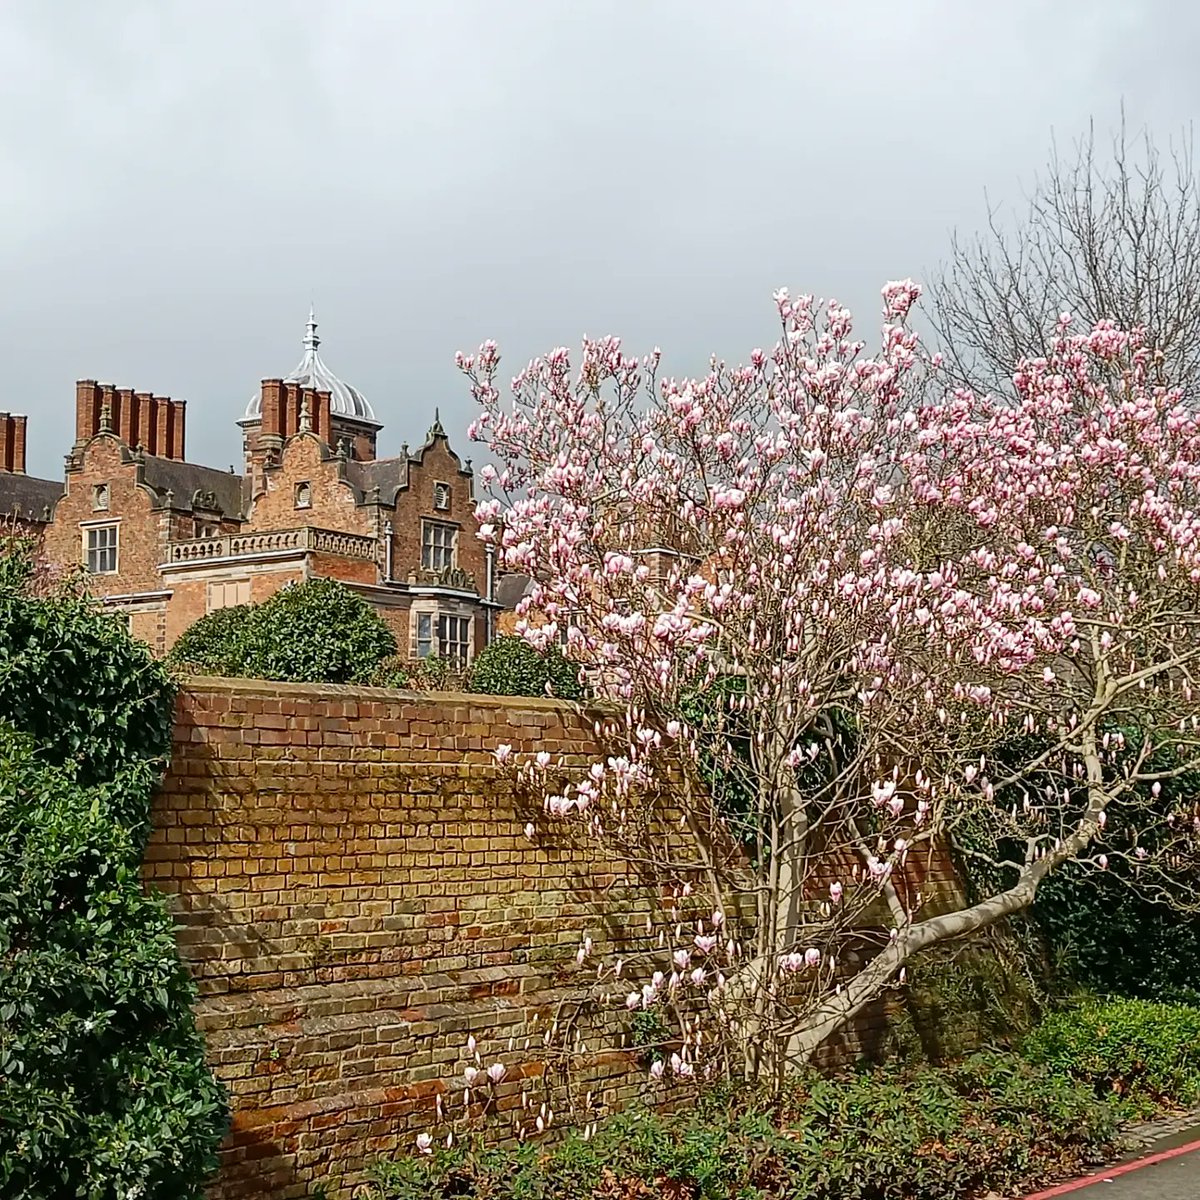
[566, 622]
[431, 549]
[425, 640]
[429, 633]
[95, 528]
[305, 501]
[462, 626]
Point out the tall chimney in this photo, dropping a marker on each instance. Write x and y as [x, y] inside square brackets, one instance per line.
[124, 417]
[18, 443]
[289, 409]
[87, 409]
[165, 420]
[272, 415]
[6, 442]
[321, 418]
[175, 451]
[147, 426]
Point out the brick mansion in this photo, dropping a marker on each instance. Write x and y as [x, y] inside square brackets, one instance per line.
[165, 540]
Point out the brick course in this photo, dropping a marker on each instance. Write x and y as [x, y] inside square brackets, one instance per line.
[354, 893]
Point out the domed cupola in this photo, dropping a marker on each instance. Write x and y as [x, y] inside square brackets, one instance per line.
[344, 400]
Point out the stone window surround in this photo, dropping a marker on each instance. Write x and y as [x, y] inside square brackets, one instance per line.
[433, 609]
[86, 529]
[432, 549]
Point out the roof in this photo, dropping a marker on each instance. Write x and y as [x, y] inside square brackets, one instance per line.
[185, 480]
[344, 400]
[389, 475]
[511, 589]
[27, 498]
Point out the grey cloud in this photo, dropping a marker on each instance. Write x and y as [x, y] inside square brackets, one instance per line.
[182, 179]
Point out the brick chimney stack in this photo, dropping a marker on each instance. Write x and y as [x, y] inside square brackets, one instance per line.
[155, 423]
[87, 409]
[12, 443]
[178, 427]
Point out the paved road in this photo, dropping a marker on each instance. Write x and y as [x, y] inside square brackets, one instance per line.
[1158, 1177]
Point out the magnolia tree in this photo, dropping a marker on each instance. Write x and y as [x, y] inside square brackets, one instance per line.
[844, 618]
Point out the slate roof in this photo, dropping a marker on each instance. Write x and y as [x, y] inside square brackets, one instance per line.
[27, 498]
[511, 588]
[388, 474]
[185, 479]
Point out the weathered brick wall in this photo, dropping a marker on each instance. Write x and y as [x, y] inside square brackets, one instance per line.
[143, 530]
[355, 894]
[333, 504]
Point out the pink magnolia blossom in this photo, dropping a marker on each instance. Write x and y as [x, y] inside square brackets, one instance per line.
[825, 533]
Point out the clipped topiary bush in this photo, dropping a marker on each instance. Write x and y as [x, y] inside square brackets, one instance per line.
[1148, 1053]
[104, 1091]
[318, 631]
[214, 644]
[512, 667]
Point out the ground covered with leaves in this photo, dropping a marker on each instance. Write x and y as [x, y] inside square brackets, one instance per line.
[994, 1122]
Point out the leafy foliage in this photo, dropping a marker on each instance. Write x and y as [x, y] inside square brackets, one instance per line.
[511, 667]
[991, 1123]
[318, 631]
[215, 644]
[73, 679]
[1146, 1052]
[103, 1087]
[1097, 930]
[1109, 940]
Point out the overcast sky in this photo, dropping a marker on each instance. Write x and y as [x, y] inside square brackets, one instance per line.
[181, 179]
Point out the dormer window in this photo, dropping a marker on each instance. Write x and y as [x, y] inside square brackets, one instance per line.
[304, 495]
[100, 498]
[441, 497]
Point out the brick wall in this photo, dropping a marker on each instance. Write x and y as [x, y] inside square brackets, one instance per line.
[435, 464]
[142, 529]
[332, 502]
[353, 896]
[355, 893]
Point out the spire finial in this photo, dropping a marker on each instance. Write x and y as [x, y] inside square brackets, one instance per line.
[436, 430]
[106, 416]
[305, 414]
[311, 341]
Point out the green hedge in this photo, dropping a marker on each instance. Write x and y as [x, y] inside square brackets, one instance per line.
[992, 1123]
[1107, 939]
[1145, 1052]
[511, 667]
[104, 1090]
[319, 631]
